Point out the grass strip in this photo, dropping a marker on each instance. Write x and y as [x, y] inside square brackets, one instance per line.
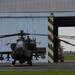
[52, 72]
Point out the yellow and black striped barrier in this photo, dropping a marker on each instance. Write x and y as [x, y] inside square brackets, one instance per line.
[50, 40]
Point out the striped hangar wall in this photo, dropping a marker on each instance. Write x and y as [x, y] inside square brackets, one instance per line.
[50, 40]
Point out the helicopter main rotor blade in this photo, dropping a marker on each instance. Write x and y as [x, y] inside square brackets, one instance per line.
[3, 36]
[65, 36]
[67, 42]
[36, 34]
[16, 34]
[20, 34]
[24, 34]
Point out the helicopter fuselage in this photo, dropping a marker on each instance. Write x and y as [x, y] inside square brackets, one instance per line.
[24, 49]
[21, 50]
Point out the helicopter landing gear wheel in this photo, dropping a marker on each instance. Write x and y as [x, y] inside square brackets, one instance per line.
[30, 63]
[13, 63]
[61, 60]
[20, 62]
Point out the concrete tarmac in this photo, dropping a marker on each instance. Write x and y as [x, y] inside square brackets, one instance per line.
[39, 66]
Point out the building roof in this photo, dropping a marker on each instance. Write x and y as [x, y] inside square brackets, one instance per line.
[36, 5]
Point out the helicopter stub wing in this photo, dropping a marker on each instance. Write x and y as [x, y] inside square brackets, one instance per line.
[3, 53]
[7, 52]
[40, 51]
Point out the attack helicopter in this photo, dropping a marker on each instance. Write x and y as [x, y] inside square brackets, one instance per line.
[60, 48]
[24, 49]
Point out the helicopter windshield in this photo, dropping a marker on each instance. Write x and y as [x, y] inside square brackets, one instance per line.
[19, 43]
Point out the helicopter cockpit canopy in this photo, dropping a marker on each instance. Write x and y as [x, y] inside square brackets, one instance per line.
[20, 44]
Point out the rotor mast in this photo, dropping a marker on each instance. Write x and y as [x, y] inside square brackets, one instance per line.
[22, 34]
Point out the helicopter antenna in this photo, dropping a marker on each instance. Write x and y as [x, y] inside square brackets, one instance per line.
[27, 27]
[34, 36]
[33, 30]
